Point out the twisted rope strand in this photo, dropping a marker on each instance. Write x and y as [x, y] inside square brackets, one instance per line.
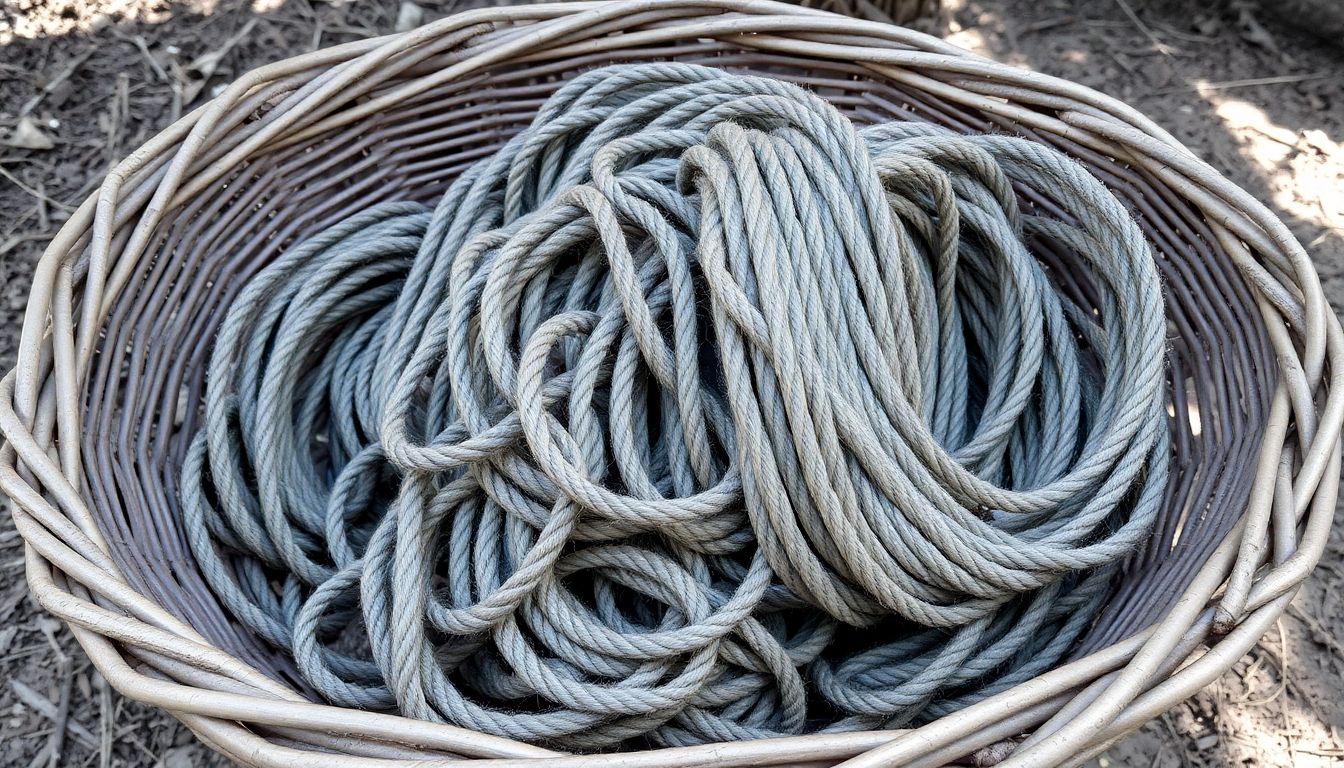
[694, 413]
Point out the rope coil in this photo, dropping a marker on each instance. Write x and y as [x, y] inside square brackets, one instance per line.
[695, 413]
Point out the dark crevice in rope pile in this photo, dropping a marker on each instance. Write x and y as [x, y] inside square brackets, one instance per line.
[692, 414]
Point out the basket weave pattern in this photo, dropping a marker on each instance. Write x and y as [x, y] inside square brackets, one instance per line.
[100, 408]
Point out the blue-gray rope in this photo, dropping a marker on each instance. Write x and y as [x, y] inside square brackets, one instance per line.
[693, 413]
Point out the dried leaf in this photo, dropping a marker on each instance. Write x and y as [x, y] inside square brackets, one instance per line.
[178, 757]
[7, 638]
[26, 135]
[1207, 25]
[409, 16]
[1254, 33]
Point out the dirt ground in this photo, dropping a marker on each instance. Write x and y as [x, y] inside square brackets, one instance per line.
[83, 82]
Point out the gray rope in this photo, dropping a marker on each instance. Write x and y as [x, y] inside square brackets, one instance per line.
[693, 413]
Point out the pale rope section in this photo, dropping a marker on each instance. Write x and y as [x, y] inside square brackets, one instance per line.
[695, 413]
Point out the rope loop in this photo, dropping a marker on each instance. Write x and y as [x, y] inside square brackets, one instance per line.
[696, 412]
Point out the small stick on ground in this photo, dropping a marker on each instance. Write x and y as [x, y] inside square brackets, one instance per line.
[40, 758]
[56, 742]
[1254, 81]
[1045, 25]
[56, 80]
[44, 707]
[37, 194]
[1318, 631]
[139, 42]
[105, 718]
[1147, 31]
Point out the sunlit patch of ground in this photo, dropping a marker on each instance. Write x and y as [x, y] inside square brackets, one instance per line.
[1303, 170]
[32, 19]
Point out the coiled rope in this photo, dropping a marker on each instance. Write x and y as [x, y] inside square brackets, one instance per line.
[693, 413]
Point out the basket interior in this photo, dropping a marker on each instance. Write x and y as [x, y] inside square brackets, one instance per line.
[147, 377]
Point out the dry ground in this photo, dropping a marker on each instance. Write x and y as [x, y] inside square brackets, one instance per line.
[83, 82]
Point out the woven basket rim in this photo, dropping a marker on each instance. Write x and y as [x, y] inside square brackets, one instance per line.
[149, 655]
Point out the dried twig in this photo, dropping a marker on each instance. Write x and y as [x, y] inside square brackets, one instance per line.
[105, 718]
[1254, 81]
[1282, 659]
[36, 193]
[1224, 85]
[1171, 31]
[40, 757]
[56, 80]
[1145, 29]
[62, 720]
[44, 707]
[1318, 631]
[153, 63]
[1046, 25]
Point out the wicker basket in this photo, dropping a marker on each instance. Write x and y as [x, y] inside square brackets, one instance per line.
[99, 409]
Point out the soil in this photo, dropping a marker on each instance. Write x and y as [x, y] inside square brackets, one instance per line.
[84, 82]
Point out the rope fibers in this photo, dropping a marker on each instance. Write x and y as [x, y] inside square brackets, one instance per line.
[694, 413]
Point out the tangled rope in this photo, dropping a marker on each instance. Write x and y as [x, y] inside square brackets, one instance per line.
[694, 413]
